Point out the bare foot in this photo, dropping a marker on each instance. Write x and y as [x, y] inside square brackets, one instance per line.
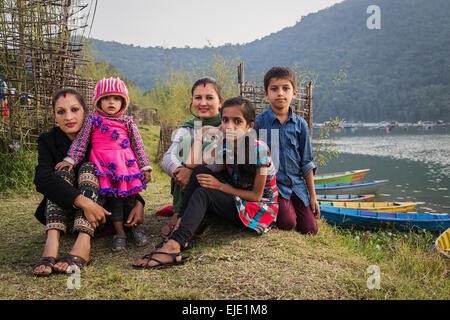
[44, 266]
[171, 246]
[170, 226]
[81, 248]
[50, 250]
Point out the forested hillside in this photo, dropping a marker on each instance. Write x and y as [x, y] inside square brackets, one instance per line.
[401, 71]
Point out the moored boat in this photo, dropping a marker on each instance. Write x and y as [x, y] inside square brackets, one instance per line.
[442, 243]
[345, 197]
[362, 219]
[340, 177]
[351, 188]
[373, 206]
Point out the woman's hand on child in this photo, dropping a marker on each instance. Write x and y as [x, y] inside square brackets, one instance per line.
[59, 166]
[147, 176]
[208, 181]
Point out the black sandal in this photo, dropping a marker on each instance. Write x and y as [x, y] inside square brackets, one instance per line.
[161, 264]
[45, 261]
[74, 261]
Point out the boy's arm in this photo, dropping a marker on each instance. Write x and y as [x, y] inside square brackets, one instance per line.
[305, 150]
[312, 193]
[308, 167]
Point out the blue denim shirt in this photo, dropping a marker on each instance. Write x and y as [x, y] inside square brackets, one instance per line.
[293, 158]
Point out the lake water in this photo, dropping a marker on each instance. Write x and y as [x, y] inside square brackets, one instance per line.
[416, 162]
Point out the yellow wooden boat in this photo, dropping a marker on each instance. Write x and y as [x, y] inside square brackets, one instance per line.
[373, 206]
[442, 243]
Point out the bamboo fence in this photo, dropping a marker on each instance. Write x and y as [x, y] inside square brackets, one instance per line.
[41, 49]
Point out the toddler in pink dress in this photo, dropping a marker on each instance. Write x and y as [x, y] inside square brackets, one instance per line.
[118, 153]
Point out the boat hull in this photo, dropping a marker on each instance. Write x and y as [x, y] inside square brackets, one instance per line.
[340, 177]
[442, 243]
[372, 220]
[345, 197]
[372, 206]
[351, 188]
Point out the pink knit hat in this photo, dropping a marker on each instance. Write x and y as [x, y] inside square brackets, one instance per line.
[110, 87]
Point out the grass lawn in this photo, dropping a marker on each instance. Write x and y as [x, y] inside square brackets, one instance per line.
[226, 263]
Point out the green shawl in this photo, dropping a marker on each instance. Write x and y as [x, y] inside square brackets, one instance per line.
[214, 121]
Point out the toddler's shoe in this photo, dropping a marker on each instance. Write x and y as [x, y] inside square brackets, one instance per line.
[139, 237]
[119, 243]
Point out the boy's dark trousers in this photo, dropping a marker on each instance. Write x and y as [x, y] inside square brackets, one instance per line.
[293, 214]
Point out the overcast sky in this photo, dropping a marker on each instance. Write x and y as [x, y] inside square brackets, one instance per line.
[196, 23]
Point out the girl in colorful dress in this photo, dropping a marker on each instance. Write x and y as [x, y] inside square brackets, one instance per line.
[248, 199]
[117, 152]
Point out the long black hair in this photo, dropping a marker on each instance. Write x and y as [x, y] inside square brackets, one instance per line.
[245, 172]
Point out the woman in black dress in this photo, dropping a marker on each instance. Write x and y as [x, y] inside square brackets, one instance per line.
[70, 197]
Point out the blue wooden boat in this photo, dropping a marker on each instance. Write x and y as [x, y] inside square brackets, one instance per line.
[361, 219]
[345, 197]
[362, 187]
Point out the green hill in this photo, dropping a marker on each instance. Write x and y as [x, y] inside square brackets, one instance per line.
[401, 71]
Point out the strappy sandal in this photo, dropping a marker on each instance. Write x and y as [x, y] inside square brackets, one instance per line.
[74, 262]
[161, 264]
[44, 261]
[139, 237]
[119, 243]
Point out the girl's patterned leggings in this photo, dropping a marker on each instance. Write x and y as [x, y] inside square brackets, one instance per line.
[62, 219]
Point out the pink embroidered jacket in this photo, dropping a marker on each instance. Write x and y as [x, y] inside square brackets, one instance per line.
[77, 150]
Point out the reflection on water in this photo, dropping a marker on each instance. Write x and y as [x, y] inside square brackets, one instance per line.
[416, 162]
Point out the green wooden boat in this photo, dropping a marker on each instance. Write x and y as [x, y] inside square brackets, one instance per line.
[340, 177]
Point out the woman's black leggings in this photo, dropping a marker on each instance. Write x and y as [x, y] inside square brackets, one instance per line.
[199, 201]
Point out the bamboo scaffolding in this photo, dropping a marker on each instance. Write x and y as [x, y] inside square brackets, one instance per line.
[41, 49]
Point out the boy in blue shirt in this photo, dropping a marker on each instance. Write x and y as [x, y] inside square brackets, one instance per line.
[298, 206]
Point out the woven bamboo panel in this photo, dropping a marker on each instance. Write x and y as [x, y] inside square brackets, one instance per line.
[40, 53]
[165, 138]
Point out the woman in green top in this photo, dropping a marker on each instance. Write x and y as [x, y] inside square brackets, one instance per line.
[205, 105]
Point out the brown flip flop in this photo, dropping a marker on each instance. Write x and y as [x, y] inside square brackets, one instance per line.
[74, 261]
[45, 261]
